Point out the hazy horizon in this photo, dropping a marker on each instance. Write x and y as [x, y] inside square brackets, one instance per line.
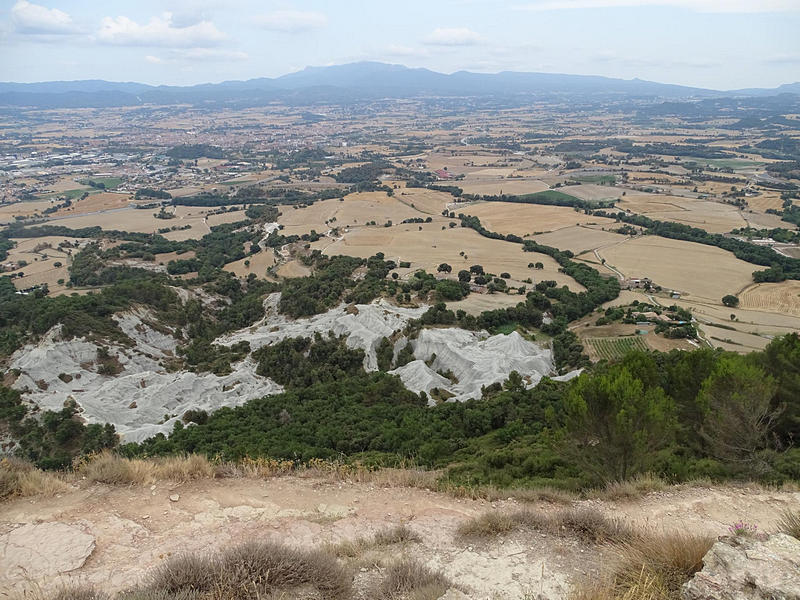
[716, 44]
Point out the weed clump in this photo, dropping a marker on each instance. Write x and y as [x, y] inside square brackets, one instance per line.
[411, 579]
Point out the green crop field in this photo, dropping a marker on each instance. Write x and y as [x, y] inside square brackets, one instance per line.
[109, 182]
[616, 347]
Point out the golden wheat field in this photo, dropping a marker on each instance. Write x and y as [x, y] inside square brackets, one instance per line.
[95, 202]
[257, 264]
[714, 217]
[700, 271]
[355, 210]
[493, 185]
[580, 239]
[781, 297]
[527, 219]
[427, 246]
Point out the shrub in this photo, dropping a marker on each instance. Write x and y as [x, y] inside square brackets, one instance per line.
[79, 592]
[386, 537]
[650, 566]
[112, 469]
[20, 479]
[252, 570]
[409, 576]
[790, 523]
[588, 524]
[487, 525]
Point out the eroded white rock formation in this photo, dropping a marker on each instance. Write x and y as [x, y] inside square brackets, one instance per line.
[364, 326]
[145, 398]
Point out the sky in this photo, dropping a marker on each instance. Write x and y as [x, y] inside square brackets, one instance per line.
[720, 44]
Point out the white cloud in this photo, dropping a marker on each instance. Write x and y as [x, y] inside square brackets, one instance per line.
[40, 20]
[292, 21]
[198, 54]
[453, 36]
[707, 6]
[159, 31]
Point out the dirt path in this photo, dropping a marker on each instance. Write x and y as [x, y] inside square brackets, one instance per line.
[136, 528]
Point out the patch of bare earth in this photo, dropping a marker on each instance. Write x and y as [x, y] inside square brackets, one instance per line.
[138, 528]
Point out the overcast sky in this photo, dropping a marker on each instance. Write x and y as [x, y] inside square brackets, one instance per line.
[721, 44]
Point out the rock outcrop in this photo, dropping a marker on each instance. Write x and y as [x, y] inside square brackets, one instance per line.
[137, 399]
[43, 550]
[748, 568]
[363, 325]
[477, 359]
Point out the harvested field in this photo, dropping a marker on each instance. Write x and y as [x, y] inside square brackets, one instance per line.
[783, 298]
[95, 202]
[764, 201]
[40, 270]
[427, 201]
[748, 320]
[356, 209]
[475, 303]
[625, 298]
[580, 239]
[765, 221]
[22, 209]
[523, 219]
[166, 257]
[592, 192]
[431, 246]
[737, 341]
[258, 264]
[714, 217]
[292, 268]
[701, 271]
[479, 184]
[143, 221]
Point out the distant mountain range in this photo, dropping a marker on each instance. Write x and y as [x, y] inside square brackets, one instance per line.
[352, 82]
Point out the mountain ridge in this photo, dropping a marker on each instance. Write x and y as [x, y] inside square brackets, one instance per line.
[355, 81]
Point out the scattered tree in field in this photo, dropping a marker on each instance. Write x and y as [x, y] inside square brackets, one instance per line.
[464, 276]
[730, 300]
[444, 268]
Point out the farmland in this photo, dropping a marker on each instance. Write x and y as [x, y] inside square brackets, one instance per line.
[279, 155]
[616, 347]
[783, 298]
[527, 219]
[426, 246]
[714, 217]
[701, 272]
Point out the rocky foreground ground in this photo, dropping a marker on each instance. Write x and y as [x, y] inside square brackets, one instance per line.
[113, 535]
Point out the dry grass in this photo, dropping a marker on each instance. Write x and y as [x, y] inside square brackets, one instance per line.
[116, 470]
[588, 524]
[790, 523]
[636, 487]
[411, 580]
[400, 534]
[253, 570]
[650, 566]
[19, 479]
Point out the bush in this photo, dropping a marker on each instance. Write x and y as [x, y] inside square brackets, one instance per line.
[790, 523]
[254, 569]
[409, 576]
